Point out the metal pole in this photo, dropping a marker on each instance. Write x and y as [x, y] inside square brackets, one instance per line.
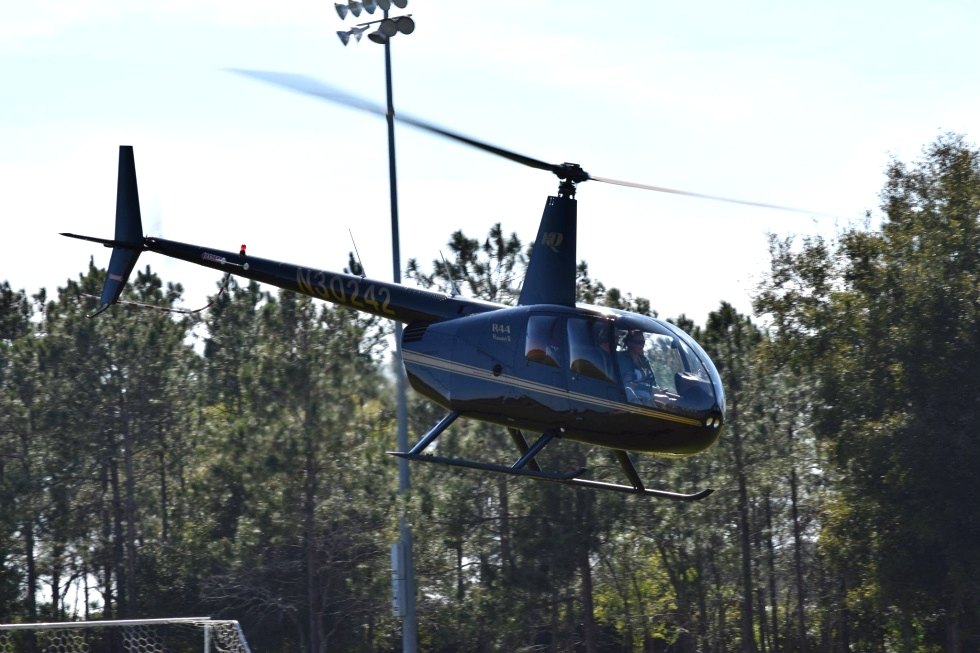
[409, 624]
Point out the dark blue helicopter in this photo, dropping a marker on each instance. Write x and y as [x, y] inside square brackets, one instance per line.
[547, 366]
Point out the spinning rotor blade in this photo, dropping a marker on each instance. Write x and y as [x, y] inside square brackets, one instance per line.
[316, 88]
[661, 189]
[564, 171]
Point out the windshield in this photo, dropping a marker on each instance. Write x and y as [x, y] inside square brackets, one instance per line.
[659, 369]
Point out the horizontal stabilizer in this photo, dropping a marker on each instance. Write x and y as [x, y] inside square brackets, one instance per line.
[104, 241]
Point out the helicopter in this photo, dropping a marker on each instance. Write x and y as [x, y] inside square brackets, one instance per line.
[548, 366]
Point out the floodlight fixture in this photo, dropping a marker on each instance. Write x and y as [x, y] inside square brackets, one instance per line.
[356, 32]
[404, 24]
[401, 4]
[355, 7]
[388, 27]
[341, 10]
[385, 5]
[369, 5]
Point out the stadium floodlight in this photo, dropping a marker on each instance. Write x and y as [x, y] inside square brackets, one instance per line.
[404, 24]
[356, 32]
[388, 27]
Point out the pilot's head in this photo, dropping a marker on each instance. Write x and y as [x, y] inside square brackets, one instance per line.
[634, 338]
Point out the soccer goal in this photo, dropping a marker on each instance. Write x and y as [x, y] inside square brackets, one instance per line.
[183, 635]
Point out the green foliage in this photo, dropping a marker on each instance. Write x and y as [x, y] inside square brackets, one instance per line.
[306, 531]
[888, 323]
[493, 270]
[15, 313]
[590, 291]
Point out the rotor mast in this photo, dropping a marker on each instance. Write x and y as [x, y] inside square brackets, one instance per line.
[570, 174]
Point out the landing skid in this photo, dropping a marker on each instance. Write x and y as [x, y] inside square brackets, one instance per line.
[490, 467]
[527, 466]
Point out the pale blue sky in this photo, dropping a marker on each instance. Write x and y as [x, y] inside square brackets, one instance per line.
[797, 103]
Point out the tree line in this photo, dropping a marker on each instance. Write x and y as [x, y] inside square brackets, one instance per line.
[233, 463]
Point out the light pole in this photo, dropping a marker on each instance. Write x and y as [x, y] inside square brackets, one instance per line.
[403, 574]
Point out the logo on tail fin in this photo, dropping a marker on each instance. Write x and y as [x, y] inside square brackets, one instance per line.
[552, 239]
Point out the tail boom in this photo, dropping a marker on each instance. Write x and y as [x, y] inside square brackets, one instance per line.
[388, 300]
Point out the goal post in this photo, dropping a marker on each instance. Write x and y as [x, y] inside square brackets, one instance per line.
[175, 635]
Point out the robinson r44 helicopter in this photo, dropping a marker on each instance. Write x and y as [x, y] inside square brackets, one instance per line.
[548, 366]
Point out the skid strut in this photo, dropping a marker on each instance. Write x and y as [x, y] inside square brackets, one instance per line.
[527, 466]
[521, 443]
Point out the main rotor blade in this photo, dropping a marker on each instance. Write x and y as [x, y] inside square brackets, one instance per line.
[316, 88]
[718, 198]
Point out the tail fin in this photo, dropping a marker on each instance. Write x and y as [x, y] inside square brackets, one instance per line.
[550, 276]
[129, 230]
[128, 242]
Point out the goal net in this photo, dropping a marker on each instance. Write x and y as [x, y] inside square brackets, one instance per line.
[186, 635]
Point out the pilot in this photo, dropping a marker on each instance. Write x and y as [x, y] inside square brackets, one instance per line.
[601, 332]
[635, 368]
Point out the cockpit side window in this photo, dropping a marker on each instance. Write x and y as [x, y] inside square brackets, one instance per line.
[544, 340]
[659, 369]
[589, 349]
[638, 376]
[666, 360]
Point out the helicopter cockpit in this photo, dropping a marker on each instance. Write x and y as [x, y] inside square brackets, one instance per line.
[662, 367]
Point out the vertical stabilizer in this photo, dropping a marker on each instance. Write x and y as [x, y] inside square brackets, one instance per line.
[550, 277]
[129, 231]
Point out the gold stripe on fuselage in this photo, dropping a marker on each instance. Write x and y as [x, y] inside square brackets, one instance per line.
[485, 375]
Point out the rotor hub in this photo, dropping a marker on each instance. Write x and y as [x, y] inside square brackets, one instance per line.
[570, 174]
